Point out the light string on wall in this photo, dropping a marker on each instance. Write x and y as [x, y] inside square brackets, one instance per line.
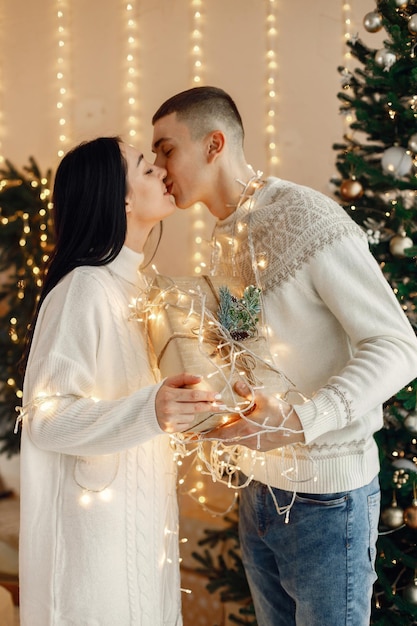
[63, 75]
[271, 87]
[131, 68]
[198, 225]
[2, 126]
[347, 56]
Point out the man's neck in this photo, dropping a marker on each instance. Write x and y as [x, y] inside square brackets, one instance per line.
[233, 192]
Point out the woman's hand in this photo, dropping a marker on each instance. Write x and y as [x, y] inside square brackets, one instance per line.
[267, 411]
[176, 406]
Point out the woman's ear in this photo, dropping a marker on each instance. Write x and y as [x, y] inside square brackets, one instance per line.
[215, 145]
[128, 205]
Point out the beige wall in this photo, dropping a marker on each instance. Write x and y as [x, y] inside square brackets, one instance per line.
[309, 49]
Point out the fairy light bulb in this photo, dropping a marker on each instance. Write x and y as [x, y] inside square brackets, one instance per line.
[131, 69]
[196, 42]
[270, 87]
[62, 75]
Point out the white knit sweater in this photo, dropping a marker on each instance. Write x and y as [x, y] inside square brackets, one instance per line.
[337, 332]
[98, 539]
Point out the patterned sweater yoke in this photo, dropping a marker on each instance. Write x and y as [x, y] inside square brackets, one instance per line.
[285, 224]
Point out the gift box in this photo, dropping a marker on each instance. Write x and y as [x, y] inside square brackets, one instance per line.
[185, 336]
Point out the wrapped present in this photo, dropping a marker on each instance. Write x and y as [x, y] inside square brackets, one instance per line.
[186, 335]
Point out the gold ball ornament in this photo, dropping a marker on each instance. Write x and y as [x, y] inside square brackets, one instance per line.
[351, 189]
[398, 244]
[410, 515]
[393, 516]
[401, 3]
[412, 24]
[372, 22]
[410, 592]
[412, 143]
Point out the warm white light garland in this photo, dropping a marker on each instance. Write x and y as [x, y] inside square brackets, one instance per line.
[197, 68]
[347, 55]
[271, 88]
[197, 41]
[62, 74]
[131, 68]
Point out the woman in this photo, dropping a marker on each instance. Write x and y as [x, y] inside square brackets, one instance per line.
[99, 544]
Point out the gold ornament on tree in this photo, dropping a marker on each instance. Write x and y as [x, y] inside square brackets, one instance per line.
[412, 24]
[410, 513]
[351, 189]
[412, 143]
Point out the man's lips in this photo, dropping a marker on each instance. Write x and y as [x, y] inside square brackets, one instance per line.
[169, 187]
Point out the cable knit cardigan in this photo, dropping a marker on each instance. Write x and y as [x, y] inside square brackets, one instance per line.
[336, 330]
[99, 522]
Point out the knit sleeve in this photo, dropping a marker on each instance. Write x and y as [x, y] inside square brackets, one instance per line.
[350, 283]
[69, 407]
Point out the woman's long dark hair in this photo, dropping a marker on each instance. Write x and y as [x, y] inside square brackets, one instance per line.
[89, 213]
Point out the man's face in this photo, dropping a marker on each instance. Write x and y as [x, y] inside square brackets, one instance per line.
[184, 159]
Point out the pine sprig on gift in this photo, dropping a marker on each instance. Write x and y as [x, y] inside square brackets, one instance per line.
[239, 316]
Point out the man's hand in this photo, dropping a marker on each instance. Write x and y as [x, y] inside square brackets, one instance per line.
[176, 406]
[253, 432]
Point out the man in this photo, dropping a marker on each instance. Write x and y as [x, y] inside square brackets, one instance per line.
[336, 331]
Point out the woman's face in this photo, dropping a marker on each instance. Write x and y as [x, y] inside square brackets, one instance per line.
[147, 199]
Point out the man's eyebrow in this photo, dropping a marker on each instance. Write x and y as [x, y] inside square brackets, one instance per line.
[158, 142]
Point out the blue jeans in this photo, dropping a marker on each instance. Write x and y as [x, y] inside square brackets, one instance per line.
[318, 569]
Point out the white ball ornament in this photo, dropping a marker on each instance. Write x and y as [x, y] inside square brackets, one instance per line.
[412, 143]
[372, 22]
[410, 592]
[384, 58]
[401, 3]
[410, 423]
[396, 161]
[412, 24]
[393, 516]
[398, 244]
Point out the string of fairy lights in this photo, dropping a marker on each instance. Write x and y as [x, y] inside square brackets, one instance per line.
[198, 225]
[62, 75]
[131, 69]
[348, 34]
[271, 37]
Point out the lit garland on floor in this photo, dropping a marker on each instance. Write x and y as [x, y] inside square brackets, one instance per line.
[270, 88]
[62, 75]
[131, 67]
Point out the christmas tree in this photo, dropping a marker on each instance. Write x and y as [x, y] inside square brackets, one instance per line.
[25, 238]
[378, 188]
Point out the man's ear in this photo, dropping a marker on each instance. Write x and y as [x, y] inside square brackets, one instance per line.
[215, 144]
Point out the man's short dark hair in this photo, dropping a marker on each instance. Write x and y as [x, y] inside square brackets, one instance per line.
[201, 107]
